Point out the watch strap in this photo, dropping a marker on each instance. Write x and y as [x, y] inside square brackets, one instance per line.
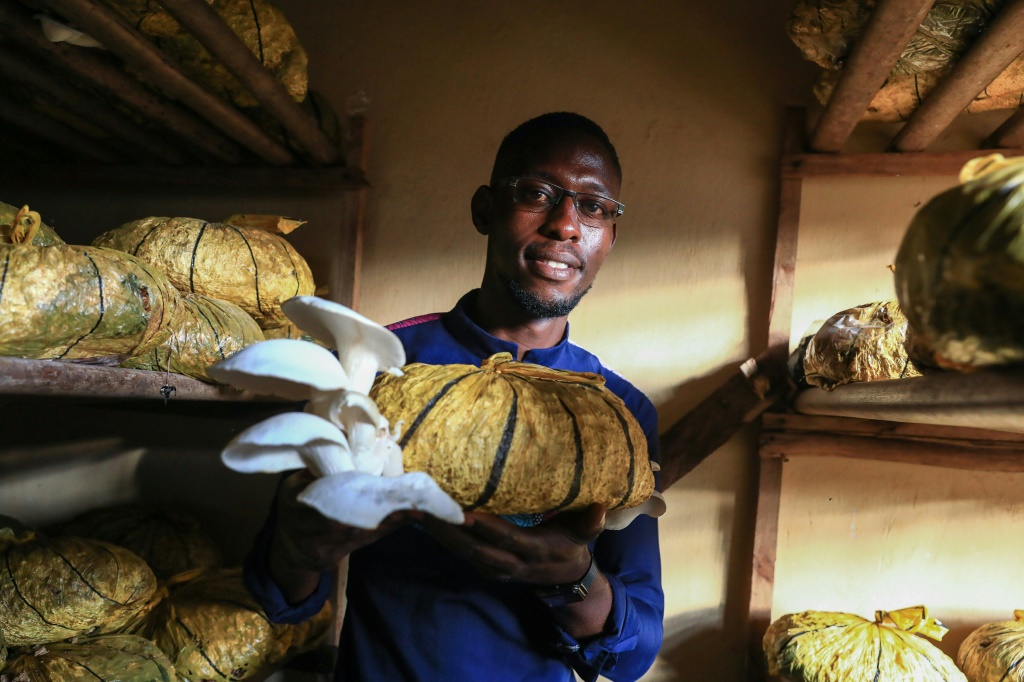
[569, 593]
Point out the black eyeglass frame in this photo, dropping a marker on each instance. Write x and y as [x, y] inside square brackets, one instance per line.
[620, 208]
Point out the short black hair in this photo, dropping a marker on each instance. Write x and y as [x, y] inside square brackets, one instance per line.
[539, 129]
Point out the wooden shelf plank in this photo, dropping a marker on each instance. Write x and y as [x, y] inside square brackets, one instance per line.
[989, 399]
[883, 164]
[19, 376]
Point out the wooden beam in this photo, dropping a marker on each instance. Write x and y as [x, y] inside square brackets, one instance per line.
[950, 453]
[55, 132]
[18, 27]
[757, 385]
[106, 27]
[890, 27]
[993, 51]
[883, 164]
[985, 399]
[90, 108]
[212, 33]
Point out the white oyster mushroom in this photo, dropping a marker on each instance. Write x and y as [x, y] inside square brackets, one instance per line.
[390, 452]
[364, 347]
[617, 519]
[291, 440]
[362, 500]
[288, 368]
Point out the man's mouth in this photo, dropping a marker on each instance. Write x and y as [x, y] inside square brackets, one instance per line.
[555, 265]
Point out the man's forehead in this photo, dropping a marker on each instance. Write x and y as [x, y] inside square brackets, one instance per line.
[573, 152]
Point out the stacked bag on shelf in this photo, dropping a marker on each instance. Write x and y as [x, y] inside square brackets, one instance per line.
[826, 646]
[119, 608]
[167, 294]
[959, 280]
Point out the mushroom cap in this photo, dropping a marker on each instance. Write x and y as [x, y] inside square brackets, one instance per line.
[344, 328]
[363, 500]
[277, 443]
[617, 519]
[288, 368]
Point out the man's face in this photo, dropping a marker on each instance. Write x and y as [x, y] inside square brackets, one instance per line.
[547, 261]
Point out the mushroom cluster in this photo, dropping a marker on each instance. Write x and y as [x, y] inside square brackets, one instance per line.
[341, 436]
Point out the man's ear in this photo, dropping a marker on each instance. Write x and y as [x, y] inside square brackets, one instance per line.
[482, 209]
[615, 234]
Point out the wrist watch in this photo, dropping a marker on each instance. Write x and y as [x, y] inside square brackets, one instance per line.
[568, 593]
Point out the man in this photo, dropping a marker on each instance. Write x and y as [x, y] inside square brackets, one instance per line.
[497, 598]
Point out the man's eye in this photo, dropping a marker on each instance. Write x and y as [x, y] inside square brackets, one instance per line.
[535, 195]
[594, 208]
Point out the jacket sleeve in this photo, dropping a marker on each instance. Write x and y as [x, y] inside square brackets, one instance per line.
[267, 593]
[631, 560]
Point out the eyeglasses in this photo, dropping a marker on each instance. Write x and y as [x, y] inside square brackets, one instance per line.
[539, 196]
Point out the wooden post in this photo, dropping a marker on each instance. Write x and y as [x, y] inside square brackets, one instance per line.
[766, 524]
[347, 247]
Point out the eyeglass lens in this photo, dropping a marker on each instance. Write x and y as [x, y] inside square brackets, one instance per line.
[538, 196]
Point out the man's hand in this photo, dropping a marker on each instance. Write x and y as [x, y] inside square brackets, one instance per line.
[552, 553]
[306, 543]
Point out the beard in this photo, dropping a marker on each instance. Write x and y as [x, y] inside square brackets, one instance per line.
[539, 308]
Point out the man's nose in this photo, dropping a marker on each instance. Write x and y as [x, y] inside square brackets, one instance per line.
[563, 220]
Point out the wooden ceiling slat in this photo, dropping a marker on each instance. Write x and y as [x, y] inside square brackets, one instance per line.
[122, 130]
[889, 29]
[993, 51]
[105, 26]
[1010, 134]
[17, 27]
[24, 119]
[209, 29]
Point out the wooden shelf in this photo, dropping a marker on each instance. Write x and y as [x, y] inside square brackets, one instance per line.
[68, 379]
[991, 399]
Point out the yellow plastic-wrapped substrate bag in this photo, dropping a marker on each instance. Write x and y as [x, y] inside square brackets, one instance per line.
[22, 226]
[107, 658]
[169, 540]
[259, 25]
[960, 269]
[823, 646]
[863, 343]
[994, 651]
[63, 587]
[517, 438]
[213, 630]
[206, 331]
[80, 302]
[250, 267]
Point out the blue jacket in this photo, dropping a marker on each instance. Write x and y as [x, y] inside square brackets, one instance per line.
[415, 612]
